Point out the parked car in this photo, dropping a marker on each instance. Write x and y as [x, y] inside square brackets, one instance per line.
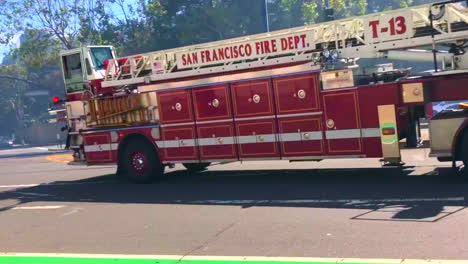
[446, 105]
[6, 142]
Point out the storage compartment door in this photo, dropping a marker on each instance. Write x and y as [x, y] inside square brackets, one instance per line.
[301, 136]
[216, 141]
[175, 107]
[342, 125]
[252, 99]
[212, 103]
[296, 94]
[178, 143]
[98, 148]
[257, 139]
[254, 119]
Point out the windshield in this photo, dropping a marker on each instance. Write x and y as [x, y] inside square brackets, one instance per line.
[99, 55]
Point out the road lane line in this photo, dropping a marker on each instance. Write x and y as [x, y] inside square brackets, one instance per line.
[26, 258]
[34, 194]
[345, 201]
[39, 207]
[19, 185]
[41, 148]
[73, 211]
[14, 186]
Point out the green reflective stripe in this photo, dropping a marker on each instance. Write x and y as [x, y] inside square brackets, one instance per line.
[66, 260]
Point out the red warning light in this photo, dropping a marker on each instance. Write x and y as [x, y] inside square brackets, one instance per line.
[55, 99]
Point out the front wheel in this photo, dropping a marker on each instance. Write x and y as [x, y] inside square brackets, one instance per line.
[195, 167]
[140, 163]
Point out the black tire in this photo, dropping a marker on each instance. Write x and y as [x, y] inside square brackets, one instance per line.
[140, 163]
[413, 132]
[464, 150]
[195, 167]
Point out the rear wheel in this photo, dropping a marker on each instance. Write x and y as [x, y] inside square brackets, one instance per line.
[140, 163]
[196, 166]
[464, 150]
[413, 132]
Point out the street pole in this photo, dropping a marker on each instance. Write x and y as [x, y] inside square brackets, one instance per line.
[267, 23]
[329, 12]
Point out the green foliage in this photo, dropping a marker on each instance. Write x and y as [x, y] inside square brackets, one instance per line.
[72, 22]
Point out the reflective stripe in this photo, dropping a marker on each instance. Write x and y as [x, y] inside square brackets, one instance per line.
[302, 114]
[254, 118]
[285, 137]
[179, 124]
[216, 141]
[256, 139]
[300, 136]
[353, 133]
[252, 139]
[176, 143]
[342, 134]
[214, 121]
[370, 132]
[101, 147]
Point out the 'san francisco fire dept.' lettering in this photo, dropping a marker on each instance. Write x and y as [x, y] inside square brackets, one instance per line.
[247, 50]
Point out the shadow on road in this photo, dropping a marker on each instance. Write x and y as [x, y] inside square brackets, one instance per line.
[381, 191]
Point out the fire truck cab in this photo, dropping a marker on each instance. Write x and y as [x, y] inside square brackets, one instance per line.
[82, 67]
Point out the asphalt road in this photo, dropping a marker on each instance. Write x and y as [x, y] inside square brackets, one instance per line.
[335, 208]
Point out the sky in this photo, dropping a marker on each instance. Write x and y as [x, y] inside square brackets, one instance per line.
[4, 49]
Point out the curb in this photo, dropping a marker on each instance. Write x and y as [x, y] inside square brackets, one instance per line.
[27, 155]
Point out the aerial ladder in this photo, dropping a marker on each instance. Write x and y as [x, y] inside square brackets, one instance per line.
[390, 34]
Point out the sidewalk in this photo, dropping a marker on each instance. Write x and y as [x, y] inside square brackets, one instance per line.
[23, 152]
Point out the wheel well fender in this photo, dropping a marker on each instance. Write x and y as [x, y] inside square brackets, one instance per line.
[458, 138]
[131, 137]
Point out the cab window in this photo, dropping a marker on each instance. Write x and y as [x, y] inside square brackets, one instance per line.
[73, 73]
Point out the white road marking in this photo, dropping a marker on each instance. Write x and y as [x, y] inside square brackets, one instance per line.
[73, 211]
[13, 186]
[34, 194]
[41, 148]
[345, 201]
[19, 185]
[237, 258]
[39, 207]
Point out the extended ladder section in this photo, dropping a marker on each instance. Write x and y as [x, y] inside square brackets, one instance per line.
[123, 110]
[368, 36]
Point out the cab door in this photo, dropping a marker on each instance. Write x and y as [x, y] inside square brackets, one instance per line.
[342, 123]
[73, 72]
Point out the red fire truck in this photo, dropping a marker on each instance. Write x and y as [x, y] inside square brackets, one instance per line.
[294, 94]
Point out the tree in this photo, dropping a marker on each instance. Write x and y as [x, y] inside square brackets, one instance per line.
[292, 13]
[165, 24]
[12, 85]
[378, 5]
[72, 22]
